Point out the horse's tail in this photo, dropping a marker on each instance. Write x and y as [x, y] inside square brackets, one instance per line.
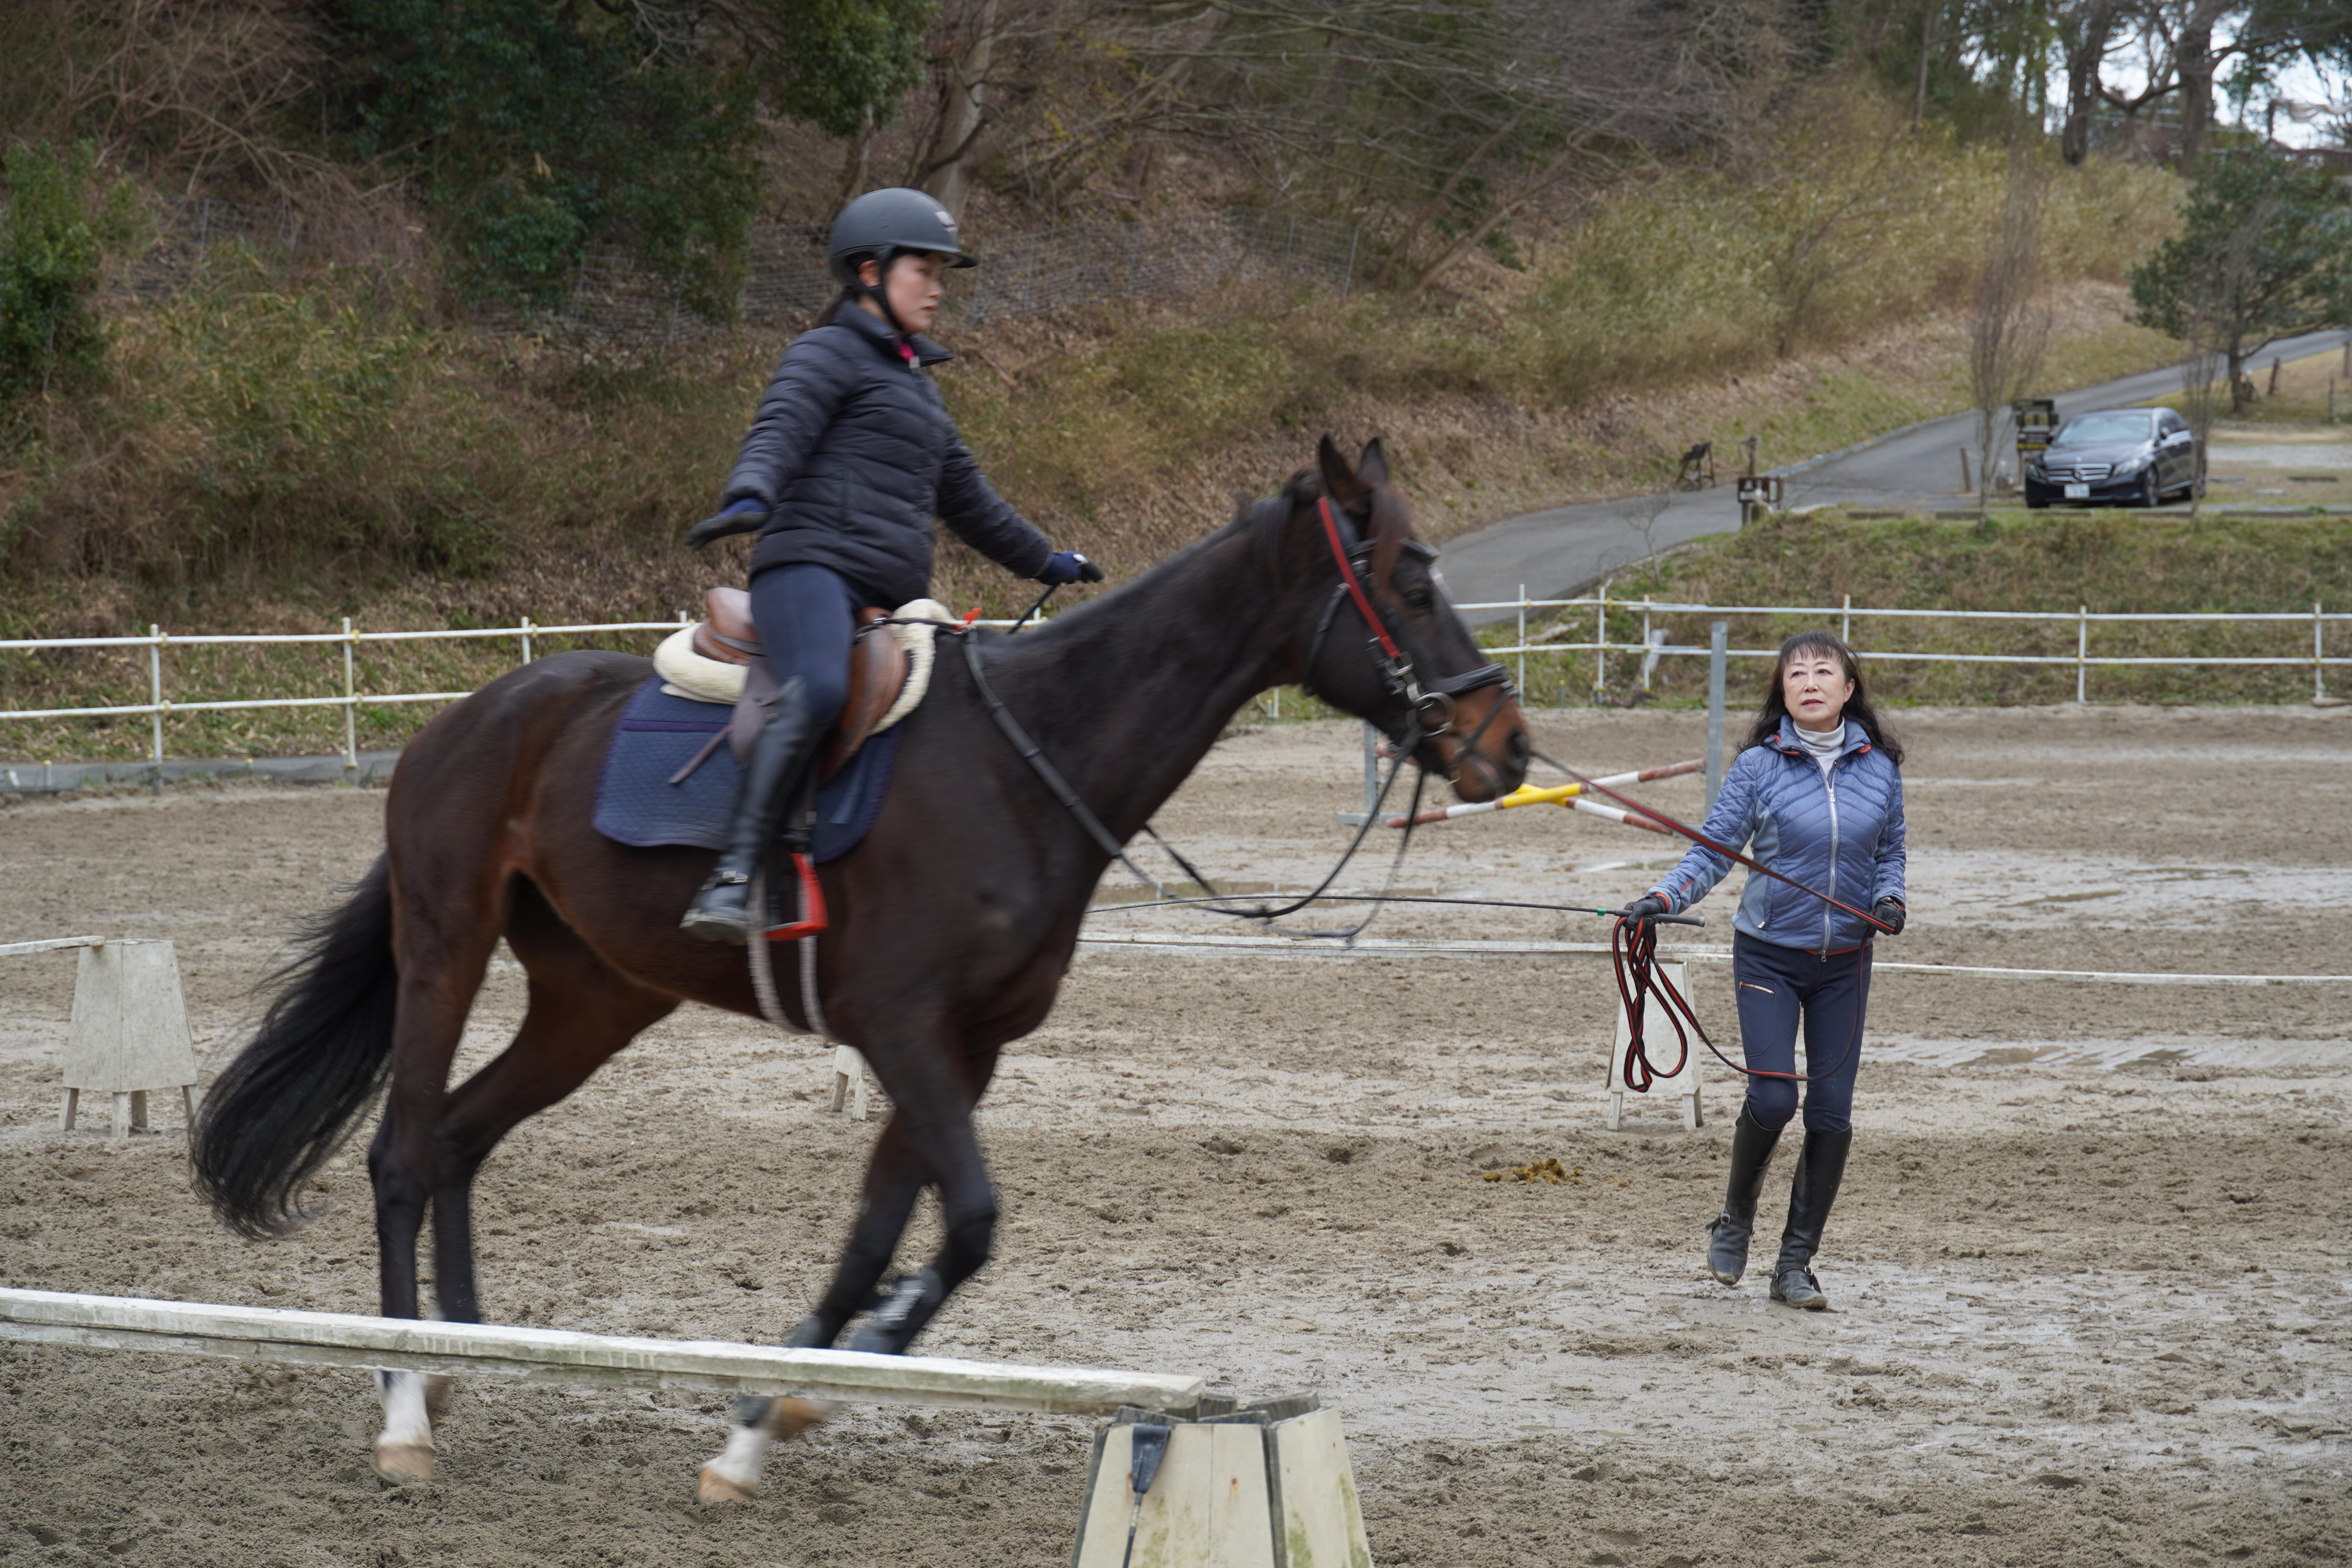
[320, 1060]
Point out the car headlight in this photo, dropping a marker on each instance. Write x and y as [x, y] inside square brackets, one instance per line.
[2131, 466]
[2034, 469]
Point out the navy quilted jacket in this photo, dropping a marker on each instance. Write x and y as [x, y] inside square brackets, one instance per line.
[853, 453]
[1842, 836]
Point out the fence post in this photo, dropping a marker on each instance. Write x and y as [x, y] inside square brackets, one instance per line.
[1600, 645]
[1372, 774]
[526, 639]
[1845, 622]
[350, 703]
[2318, 654]
[155, 694]
[1718, 656]
[1522, 638]
[2082, 648]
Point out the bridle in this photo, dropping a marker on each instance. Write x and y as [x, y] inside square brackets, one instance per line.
[1430, 706]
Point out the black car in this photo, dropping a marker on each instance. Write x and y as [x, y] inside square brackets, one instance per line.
[2135, 455]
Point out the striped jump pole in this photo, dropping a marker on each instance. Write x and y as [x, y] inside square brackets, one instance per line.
[1557, 794]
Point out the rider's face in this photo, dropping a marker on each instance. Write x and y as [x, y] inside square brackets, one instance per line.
[913, 288]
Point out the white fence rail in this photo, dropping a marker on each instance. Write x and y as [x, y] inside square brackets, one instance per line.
[1845, 614]
[160, 704]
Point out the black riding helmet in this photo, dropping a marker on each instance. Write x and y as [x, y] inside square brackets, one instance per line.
[881, 224]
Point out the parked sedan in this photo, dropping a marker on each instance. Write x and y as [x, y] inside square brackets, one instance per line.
[2135, 455]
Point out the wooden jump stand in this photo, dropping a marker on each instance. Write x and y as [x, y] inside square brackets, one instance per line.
[1659, 1031]
[129, 1031]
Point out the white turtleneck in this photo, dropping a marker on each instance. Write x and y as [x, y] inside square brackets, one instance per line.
[1825, 746]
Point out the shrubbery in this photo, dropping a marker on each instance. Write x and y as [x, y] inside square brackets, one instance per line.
[58, 226]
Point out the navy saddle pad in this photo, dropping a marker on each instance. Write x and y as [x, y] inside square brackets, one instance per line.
[657, 735]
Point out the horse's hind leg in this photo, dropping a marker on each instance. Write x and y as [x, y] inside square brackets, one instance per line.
[443, 937]
[581, 1013]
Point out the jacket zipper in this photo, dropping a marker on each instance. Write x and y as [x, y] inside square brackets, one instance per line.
[1829, 780]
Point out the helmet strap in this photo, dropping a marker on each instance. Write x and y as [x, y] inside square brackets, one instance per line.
[878, 291]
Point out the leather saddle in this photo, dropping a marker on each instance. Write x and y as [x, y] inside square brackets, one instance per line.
[877, 672]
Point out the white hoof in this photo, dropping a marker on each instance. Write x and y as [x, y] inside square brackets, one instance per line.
[404, 1464]
[710, 1486]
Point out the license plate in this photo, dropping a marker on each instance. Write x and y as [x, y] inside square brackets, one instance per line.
[2078, 492]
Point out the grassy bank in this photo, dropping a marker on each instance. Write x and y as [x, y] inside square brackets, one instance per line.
[268, 451]
[2108, 562]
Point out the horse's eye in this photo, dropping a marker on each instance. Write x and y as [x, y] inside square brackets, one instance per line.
[1421, 600]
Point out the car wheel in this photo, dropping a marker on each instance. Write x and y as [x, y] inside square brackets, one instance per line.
[2197, 486]
[2149, 494]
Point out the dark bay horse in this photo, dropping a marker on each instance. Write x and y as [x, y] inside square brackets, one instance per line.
[952, 924]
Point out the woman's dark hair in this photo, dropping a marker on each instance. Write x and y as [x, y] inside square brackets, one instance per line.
[1857, 706]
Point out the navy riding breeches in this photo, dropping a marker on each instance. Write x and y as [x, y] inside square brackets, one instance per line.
[1778, 987]
[806, 615]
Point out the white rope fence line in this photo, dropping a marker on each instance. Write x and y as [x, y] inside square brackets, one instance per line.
[560, 1355]
[1378, 947]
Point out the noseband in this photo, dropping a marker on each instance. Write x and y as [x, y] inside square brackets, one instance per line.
[1431, 704]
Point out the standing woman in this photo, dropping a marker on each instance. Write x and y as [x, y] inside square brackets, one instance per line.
[1817, 792]
[849, 458]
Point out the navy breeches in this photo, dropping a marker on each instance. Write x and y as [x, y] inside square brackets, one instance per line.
[806, 616]
[1778, 988]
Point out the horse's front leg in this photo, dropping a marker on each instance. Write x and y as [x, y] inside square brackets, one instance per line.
[894, 1179]
[943, 1132]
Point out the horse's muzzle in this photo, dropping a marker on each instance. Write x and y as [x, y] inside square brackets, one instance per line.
[1483, 753]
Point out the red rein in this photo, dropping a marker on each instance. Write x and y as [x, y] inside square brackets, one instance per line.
[1634, 956]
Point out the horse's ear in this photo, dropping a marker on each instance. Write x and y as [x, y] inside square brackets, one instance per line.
[1340, 480]
[1372, 468]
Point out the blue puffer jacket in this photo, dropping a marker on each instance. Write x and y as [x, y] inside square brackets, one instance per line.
[1842, 836]
[853, 453]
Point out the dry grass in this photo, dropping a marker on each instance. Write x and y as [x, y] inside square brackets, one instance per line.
[274, 453]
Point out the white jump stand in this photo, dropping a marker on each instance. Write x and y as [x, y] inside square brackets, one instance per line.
[848, 1076]
[1659, 1032]
[130, 1032]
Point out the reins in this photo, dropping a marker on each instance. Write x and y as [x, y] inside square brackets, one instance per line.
[1634, 957]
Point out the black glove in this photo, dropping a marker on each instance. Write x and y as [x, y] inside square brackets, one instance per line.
[737, 517]
[1068, 566]
[1888, 913]
[1647, 907]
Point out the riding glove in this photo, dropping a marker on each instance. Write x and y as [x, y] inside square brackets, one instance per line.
[1068, 566]
[1647, 907]
[738, 517]
[1888, 913]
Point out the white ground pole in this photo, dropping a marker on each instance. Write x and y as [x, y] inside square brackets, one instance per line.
[409, 1352]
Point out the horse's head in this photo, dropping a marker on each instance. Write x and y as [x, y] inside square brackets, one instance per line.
[1377, 637]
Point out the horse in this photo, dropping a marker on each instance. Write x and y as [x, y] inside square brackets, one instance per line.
[952, 924]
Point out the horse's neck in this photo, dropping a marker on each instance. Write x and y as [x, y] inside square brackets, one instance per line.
[1127, 699]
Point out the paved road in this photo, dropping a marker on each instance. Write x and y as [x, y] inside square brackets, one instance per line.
[1556, 551]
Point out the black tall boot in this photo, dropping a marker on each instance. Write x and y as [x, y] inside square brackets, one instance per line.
[1751, 1151]
[721, 911]
[1820, 1168]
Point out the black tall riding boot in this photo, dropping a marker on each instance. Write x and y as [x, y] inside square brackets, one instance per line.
[1751, 1151]
[721, 911]
[1820, 1168]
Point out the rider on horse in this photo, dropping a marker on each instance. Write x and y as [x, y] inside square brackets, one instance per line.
[850, 457]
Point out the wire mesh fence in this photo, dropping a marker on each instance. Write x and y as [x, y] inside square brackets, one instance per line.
[612, 299]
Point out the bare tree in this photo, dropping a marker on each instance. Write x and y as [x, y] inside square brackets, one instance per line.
[2087, 31]
[2010, 328]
